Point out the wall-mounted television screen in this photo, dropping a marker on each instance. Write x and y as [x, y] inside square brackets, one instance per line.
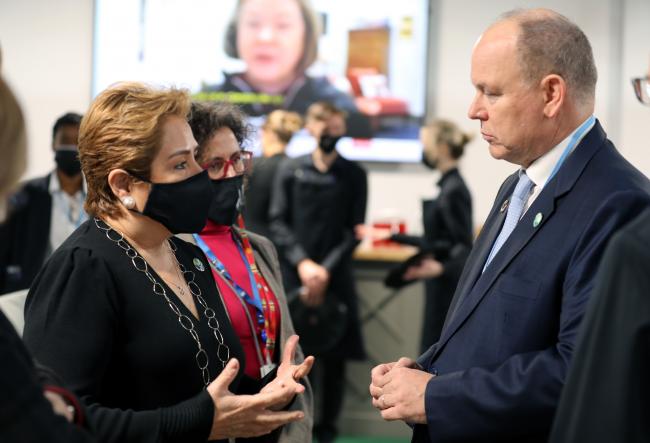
[368, 57]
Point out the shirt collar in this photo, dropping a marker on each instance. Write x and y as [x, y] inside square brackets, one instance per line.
[446, 175]
[55, 184]
[540, 170]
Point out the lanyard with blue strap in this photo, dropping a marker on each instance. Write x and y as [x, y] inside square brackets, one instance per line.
[255, 300]
[575, 139]
[264, 306]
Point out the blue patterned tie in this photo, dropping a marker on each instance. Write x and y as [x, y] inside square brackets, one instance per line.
[515, 210]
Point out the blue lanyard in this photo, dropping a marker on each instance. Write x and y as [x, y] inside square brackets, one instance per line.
[241, 292]
[577, 136]
[82, 217]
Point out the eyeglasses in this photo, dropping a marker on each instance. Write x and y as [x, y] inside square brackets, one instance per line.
[642, 89]
[240, 162]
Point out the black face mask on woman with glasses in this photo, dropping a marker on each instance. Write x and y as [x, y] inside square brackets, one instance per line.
[227, 200]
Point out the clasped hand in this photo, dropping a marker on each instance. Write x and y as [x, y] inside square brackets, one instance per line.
[259, 414]
[398, 390]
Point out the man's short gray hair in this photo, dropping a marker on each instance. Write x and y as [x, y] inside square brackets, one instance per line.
[549, 43]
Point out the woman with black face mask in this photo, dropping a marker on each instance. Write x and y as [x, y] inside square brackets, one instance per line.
[246, 269]
[447, 222]
[127, 313]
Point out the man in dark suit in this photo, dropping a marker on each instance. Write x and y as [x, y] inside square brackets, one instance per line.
[606, 394]
[497, 371]
[44, 211]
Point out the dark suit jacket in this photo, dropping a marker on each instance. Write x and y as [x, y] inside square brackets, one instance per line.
[605, 398]
[25, 236]
[508, 338]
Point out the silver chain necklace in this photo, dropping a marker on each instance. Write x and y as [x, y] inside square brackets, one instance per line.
[139, 263]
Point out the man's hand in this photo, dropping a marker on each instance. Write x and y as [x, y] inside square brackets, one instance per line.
[289, 374]
[427, 268]
[398, 390]
[378, 372]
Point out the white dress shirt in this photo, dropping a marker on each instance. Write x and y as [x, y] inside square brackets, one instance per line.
[67, 211]
[540, 170]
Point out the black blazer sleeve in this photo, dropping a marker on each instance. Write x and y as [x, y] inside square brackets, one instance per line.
[73, 307]
[25, 414]
[456, 210]
[357, 216]
[280, 214]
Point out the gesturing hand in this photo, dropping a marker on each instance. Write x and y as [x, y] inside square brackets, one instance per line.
[247, 415]
[289, 374]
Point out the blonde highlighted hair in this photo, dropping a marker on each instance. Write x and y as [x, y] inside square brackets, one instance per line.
[284, 124]
[448, 133]
[123, 130]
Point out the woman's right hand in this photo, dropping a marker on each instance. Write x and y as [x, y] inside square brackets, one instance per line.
[247, 415]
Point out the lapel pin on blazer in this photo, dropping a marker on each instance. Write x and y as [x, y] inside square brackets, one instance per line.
[198, 264]
[504, 206]
[537, 220]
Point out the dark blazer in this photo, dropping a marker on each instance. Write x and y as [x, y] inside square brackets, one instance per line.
[25, 414]
[604, 399]
[508, 338]
[25, 237]
[447, 222]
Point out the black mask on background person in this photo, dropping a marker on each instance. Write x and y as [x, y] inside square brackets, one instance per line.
[227, 200]
[67, 160]
[182, 207]
[429, 163]
[327, 142]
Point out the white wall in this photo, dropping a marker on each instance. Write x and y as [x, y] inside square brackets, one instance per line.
[47, 57]
[47, 47]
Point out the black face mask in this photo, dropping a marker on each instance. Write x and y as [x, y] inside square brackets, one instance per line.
[67, 160]
[428, 163]
[227, 200]
[182, 207]
[327, 142]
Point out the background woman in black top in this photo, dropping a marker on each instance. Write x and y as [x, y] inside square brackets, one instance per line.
[127, 314]
[447, 224]
[277, 131]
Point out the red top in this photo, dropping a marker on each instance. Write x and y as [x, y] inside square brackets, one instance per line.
[220, 240]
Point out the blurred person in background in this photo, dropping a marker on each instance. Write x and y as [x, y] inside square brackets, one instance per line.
[447, 222]
[605, 398]
[277, 131]
[44, 211]
[34, 407]
[127, 313]
[318, 201]
[278, 41]
[246, 269]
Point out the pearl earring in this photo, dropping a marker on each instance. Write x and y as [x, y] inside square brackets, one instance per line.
[129, 202]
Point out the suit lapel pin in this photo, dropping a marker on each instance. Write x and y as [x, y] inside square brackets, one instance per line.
[504, 206]
[537, 220]
[198, 264]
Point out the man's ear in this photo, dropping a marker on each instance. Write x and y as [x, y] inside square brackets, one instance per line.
[554, 89]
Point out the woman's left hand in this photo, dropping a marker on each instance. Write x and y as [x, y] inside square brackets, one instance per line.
[289, 373]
